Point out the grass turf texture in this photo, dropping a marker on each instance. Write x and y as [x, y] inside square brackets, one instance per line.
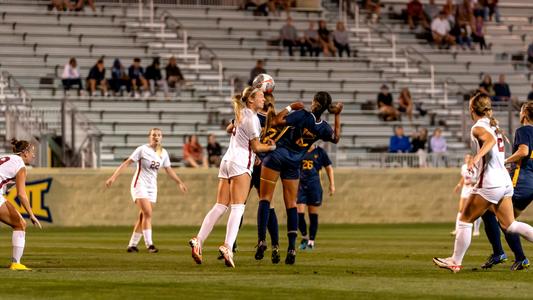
[350, 261]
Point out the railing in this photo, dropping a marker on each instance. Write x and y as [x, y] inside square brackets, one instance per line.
[397, 160]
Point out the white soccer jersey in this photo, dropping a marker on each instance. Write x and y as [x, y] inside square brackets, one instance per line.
[10, 165]
[148, 164]
[491, 168]
[239, 149]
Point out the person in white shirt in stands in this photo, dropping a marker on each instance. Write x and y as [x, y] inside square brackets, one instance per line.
[71, 76]
[149, 158]
[440, 28]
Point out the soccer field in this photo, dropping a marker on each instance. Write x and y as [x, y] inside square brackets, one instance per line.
[350, 261]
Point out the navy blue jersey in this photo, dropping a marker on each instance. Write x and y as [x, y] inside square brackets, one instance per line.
[522, 173]
[312, 162]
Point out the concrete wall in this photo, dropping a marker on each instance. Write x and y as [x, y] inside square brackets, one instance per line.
[78, 197]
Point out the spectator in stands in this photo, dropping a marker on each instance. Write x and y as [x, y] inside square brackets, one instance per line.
[214, 151]
[493, 10]
[386, 110]
[399, 143]
[258, 69]
[419, 143]
[449, 10]
[464, 14]
[61, 5]
[440, 28]
[530, 95]
[415, 15]
[478, 35]
[96, 78]
[136, 74]
[406, 103]
[530, 55]
[431, 10]
[193, 153]
[173, 75]
[81, 3]
[324, 36]
[486, 85]
[374, 9]
[341, 39]
[154, 77]
[464, 36]
[311, 41]
[502, 92]
[439, 146]
[71, 76]
[119, 78]
[289, 36]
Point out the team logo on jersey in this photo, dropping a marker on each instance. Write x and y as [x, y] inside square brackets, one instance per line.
[307, 138]
[36, 191]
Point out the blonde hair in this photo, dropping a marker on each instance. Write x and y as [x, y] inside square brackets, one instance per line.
[482, 106]
[160, 147]
[239, 101]
[528, 110]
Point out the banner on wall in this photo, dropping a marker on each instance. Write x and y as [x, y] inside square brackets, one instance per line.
[36, 191]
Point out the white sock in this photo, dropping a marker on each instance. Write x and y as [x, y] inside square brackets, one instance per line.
[457, 221]
[18, 240]
[135, 239]
[523, 229]
[463, 237]
[477, 224]
[232, 229]
[147, 234]
[210, 220]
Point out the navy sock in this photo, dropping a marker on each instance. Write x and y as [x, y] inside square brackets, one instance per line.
[313, 226]
[301, 224]
[273, 228]
[262, 219]
[513, 240]
[292, 227]
[492, 230]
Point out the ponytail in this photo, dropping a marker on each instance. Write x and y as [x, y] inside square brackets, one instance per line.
[19, 146]
[239, 101]
[270, 111]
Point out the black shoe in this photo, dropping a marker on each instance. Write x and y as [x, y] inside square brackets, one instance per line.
[260, 250]
[132, 249]
[152, 249]
[494, 260]
[275, 255]
[291, 257]
[235, 248]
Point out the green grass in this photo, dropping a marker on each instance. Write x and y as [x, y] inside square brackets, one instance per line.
[350, 261]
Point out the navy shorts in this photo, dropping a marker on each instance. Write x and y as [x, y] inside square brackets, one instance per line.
[310, 193]
[285, 162]
[256, 178]
[522, 198]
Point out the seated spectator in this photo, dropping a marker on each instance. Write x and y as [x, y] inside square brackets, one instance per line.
[61, 5]
[324, 36]
[174, 77]
[154, 77]
[193, 153]
[502, 92]
[71, 76]
[374, 9]
[530, 55]
[399, 143]
[136, 74]
[464, 36]
[214, 151]
[386, 111]
[289, 36]
[419, 143]
[530, 95]
[440, 28]
[119, 78]
[431, 10]
[406, 103]
[258, 69]
[464, 14]
[415, 15]
[96, 78]
[449, 11]
[478, 35]
[438, 146]
[486, 86]
[341, 39]
[81, 3]
[493, 10]
[311, 41]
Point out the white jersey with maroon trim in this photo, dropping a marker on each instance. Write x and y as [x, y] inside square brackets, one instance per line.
[239, 149]
[148, 164]
[10, 165]
[491, 168]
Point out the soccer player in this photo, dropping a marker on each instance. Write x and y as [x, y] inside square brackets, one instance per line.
[149, 158]
[494, 188]
[235, 173]
[13, 167]
[522, 177]
[466, 183]
[310, 192]
[305, 129]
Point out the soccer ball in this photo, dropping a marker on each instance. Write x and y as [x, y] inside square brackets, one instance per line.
[264, 82]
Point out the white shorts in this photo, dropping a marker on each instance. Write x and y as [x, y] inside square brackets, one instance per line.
[229, 169]
[466, 191]
[494, 195]
[141, 192]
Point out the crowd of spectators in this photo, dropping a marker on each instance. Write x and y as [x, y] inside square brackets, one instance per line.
[71, 5]
[387, 111]
[194, 155]
[499, 91]
[420, 144]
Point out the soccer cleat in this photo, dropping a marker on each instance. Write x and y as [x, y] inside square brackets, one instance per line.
[447, 263]
[228, 256]
[18, 267]
[276, 257]
[196, 250]
[260, 250]
[235, 248]
[493, 260]
[291, 257]
[152, 249]
[303, 244]
[520, 265]
[132, 249]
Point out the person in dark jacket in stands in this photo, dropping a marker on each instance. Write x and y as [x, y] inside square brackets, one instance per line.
[154, 77]
[399, 143]
[174, 77]
[96, 78]
[136, 74]
[258, 69]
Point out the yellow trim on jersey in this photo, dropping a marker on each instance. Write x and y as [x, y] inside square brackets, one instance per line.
[515, 175]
